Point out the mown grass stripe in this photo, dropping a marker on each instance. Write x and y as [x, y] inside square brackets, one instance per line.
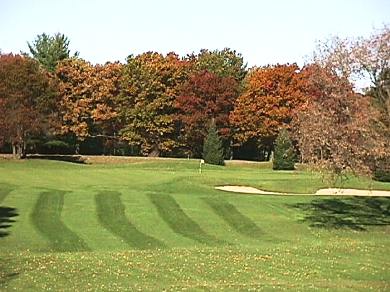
[111, 215]
[46, 217]
[238, 221]
[5, 189]
[170, 211]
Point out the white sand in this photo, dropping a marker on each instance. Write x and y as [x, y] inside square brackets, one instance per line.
[321, 192]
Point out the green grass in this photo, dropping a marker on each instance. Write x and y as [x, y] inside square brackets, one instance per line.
[4, 191]
[46, 218]
[158, 224]
[239, 222]
[180, 223]
[111, 214]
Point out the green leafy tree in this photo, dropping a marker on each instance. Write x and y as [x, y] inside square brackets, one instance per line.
[50, 50]
[223, 63]
[212, 147]
[149, 88]
[284, 156]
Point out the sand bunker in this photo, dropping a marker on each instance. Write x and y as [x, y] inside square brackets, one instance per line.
[321, 192]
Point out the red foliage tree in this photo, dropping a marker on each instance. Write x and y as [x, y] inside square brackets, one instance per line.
[203, 98]
[27, 101]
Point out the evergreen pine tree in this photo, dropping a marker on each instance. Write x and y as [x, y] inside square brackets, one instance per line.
[212, 147]
[284, 157]
[50, 50]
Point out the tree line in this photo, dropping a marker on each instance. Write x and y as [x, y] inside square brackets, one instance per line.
[163, 105]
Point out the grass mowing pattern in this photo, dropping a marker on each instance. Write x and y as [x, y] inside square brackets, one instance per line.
[111, 215]
[170, 211]
[301, 258]
[233, 217]
[46, 217]
[4, 191]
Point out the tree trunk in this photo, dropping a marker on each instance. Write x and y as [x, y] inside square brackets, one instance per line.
[155, 152]
[19, 150]
[14, 150]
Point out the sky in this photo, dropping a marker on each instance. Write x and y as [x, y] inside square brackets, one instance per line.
[264, 32]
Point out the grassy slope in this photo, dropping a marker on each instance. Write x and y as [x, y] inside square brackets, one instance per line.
[160, 224]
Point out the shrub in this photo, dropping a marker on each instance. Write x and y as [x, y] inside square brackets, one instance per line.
[56, 147]
[284, 156]
[212, 147]
[382, 170]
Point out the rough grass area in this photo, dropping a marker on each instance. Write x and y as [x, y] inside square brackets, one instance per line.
[159, 225]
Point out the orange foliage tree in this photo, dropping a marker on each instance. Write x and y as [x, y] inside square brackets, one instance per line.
[88, 97]
[270, 96]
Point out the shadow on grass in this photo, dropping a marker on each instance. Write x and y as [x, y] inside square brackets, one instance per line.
[171, 212]
[7, 273]
[6, 215]
[46, 217]
[238, 221]
[354, 213]
[111, 215]
[67, 158]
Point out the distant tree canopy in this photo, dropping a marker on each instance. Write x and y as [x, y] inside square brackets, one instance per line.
[50, 50]
[162, 104]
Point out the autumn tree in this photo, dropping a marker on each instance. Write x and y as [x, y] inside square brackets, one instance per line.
[205, 97]
[368, 59]
[372, 59]
[269, 97]
[50, 50]
[88, 98]
[27, 101]
[335, 131]
[149, 89]
[223, 63]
